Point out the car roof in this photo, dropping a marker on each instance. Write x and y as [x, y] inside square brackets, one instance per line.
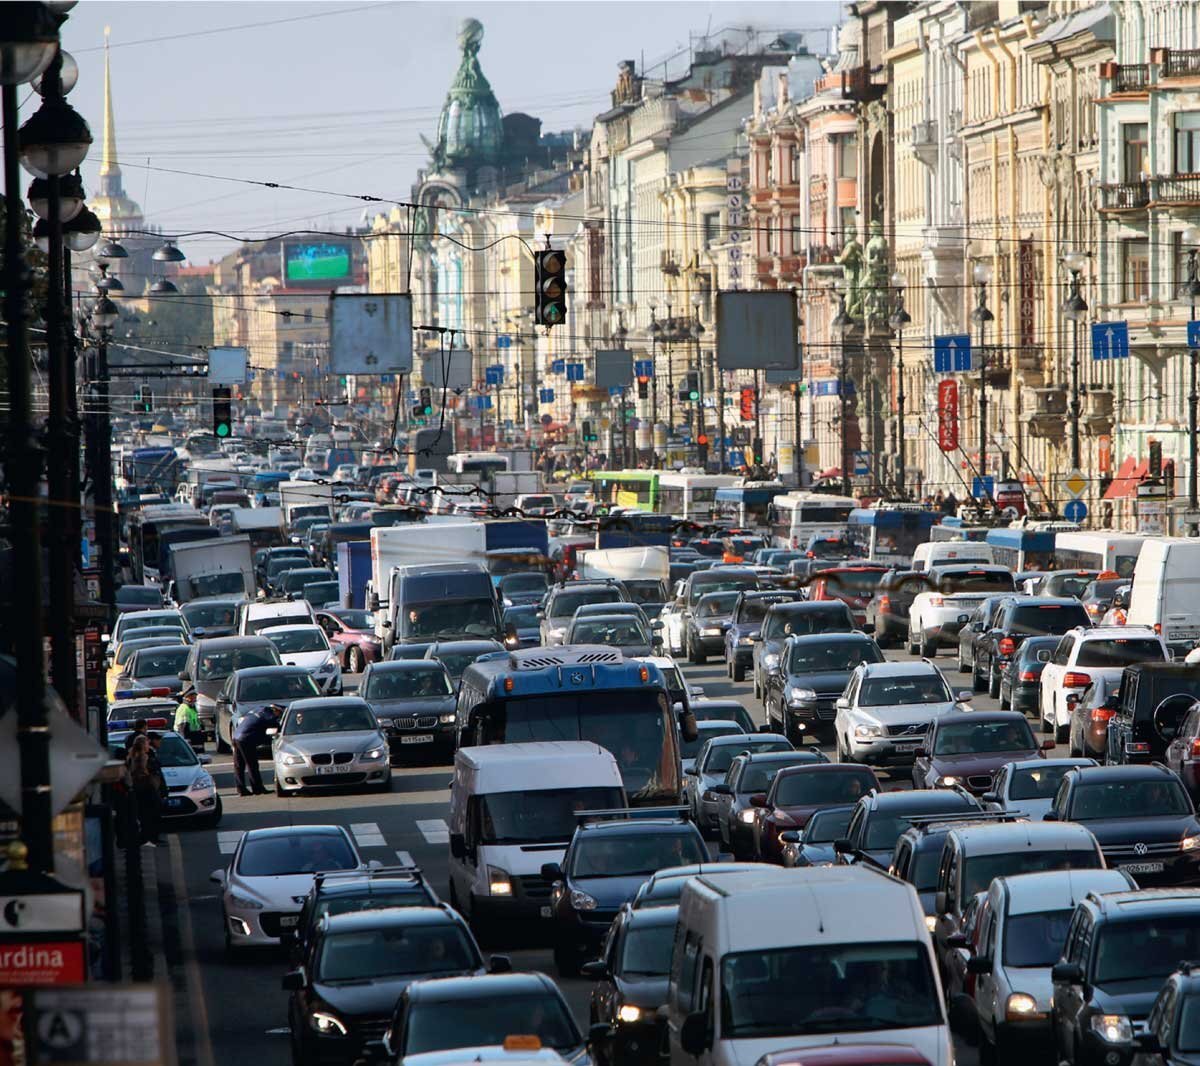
[622, 616]
[981, 717]
[220, 643]
[651, 916]
[693, 869]
[852, 637]
[899, 669]
[718, 723]
[369, 884]
[400, 666]
[633, 827]
[463, 645]
[935, 801]
[389, 917]
[1057, 889]
[757, 757]
[291, 627]
[994, 838]
[271, 671]
[1045, 601]
[1112, 632]
[496, 984]
[294, 830]
[742, 738]
[1041, 764]
[312, 703]
[807, 606]
[1137, 902]
[1130, 771]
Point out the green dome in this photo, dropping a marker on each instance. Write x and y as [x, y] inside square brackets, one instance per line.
[469, 130]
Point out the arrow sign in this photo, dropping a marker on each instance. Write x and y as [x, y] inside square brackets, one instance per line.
[493, 375]
[504, 341]
[1193, 334]
[1110, 340]
[557, 366]
[574, 371]
[951, 353]
[546, 395]
[1075, 511]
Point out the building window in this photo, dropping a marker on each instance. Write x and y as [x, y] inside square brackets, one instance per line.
[1134, 136]
[1135, 271]
[847, 156]
[712, 226]
[286, 349]
[793, 165]
[797, 235]
[772, 243]
[1187, 142]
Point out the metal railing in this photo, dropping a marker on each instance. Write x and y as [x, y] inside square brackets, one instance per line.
[1124, 195]
[1184, 63]
[1176, 189]
[1132, 78]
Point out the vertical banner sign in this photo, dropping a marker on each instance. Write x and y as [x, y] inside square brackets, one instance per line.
[1104, 455]
[1026, 309]
[948, 415]
[735, 219]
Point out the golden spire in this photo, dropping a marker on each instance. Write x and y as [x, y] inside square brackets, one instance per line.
[108, 164]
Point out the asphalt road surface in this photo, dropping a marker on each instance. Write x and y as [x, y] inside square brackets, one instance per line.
[237, 1005]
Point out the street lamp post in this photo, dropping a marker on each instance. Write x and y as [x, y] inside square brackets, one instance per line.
[842, 322]
[104, 316]
[655, 334]
[697, 333]
[899, 319]
[982, 273]
[1191, 241]
[1074, 308]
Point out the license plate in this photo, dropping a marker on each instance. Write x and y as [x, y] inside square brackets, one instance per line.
[420, 738]
[343, 769]
[546, 912]
[174, 803]
[907, 740]
[1142, 867]
[287, 921]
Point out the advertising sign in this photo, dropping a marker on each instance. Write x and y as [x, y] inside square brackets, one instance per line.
[948, 415]
[319, 263]
[42, 962]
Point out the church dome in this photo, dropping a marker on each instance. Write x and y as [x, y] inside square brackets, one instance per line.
[470, 132]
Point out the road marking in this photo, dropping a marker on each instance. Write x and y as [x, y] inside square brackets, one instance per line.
[227, 840]
[405, 858]
[434, 830]
[195, 986]
[367, 835]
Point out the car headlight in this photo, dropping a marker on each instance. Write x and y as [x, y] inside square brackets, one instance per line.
[745, 642]
[1021, 1005]
[201, 783]
[947, 781]
[802, 695]
[327, 667]
[292, 760]
[868, 732]
[327, 1024]
[747, 816]
[1190, 843]
[499, 883]
[931, 922]
[711, 631]
[373, 754]
[627, 1012]
[1112, 1028]
[581, 901]
[244, 903]
[447, 719]
[770, 660]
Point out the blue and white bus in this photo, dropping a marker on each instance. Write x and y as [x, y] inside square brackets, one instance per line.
[1028, 547]
[796, 516]
[890, 533]
[747, 504]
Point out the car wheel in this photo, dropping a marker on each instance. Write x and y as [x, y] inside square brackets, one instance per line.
[739, 673]
[223, 746]
[978, 684]
[910, 644]
[993, 684]
[962, 666]
[1062, 732]
[928, 648]
[839, 753]
[354, 661]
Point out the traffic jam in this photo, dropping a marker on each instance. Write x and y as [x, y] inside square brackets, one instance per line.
[773, 778]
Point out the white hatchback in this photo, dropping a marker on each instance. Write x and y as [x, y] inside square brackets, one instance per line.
[309, 647]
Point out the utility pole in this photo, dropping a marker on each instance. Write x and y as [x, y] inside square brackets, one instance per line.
[1191, 238]
[1074, 308]
[900, 318]
[104, 317]
[842, 322]
[982, 273]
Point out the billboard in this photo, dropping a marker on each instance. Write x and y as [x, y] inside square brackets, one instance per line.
[370, 333]
[757, 331]
[320, 263]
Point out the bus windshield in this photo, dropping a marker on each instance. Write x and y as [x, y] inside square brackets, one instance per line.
[634, 724]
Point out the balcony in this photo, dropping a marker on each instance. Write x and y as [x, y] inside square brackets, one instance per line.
[668, 263]
[1046, 416]
[1182, 189]
[1132, 77]
[1098, 411]
[1125, 196]
[925, 142]
[859, 84]
[1184, 63]
[822, 254]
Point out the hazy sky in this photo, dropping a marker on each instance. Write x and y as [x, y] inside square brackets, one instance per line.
[335, 96]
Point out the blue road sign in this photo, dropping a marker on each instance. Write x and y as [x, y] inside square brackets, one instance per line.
[983, 487]
[387, 379]
[558, 366]
[546, 395]
[1075, 511]
[574, 371]
[1194, 334]
[862, 463]
[493, 375]
[504, 341]
[736, 458]
[643, 368]
[1110, 340]
[952, 353]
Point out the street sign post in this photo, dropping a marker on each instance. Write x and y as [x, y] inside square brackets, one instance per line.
[862, 464]
[493, 375]
[1075, 510]
[1110, 340]
[1193, 334]
[952, 353]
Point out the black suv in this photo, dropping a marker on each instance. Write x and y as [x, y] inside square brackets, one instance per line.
[887, 609]
[1171, 1030]
[880, 817]
[1141, 816]
[785, 620]
[604, 866]
[1019, 619]
[1120, 948]
[745, 626]
[1152, 701]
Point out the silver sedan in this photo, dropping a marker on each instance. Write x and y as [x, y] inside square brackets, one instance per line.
[330, 742]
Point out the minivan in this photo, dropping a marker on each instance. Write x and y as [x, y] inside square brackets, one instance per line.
[1166, 591]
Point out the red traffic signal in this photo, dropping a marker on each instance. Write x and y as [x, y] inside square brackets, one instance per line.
[702, 439]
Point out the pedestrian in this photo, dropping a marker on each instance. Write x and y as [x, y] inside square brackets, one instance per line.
[249, 735]
[146, 796]
[187, 721]
[139, 730]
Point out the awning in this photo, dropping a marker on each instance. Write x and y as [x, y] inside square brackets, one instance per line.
[1129, 476]
[833, 471]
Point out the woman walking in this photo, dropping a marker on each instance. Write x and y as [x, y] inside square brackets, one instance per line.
[146, 790]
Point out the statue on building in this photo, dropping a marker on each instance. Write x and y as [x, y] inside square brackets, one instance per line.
[850, 259]
[875, 284]
[628, 90]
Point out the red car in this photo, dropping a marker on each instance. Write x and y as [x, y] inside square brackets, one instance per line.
[847, 1055]
[853, 585]
[798, 792]
[352, 633]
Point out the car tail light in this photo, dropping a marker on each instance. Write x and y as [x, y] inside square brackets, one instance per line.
[935, 600]
[1101, 714]
[810, 555]
[1158, 628]
[884, 603]
[1007, 646]
[1093, 608]
[1137, 747]
[1029, 675]
[1074, 679]
[1194, 751]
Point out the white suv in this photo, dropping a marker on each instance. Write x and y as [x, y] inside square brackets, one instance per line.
[937, 614]
[1087, 654]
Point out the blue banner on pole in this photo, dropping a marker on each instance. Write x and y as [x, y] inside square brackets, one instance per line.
[574, 371]
[983, 487]
[546, 395]
[952, 353]
[1193, 334]
[493, 375]
[1110, 340]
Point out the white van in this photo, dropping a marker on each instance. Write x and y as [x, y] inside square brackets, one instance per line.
[255, 616]
[855, 946]
[512, 809]
[1166, 591]
[951, 551]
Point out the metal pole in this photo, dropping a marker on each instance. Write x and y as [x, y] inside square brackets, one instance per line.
[720, 421]
[1075, 405]
[23, 469]
[797, 461]
[102, 481]
[842, 420]
[700, 390]
[983, 404]
[754, 444]
[1193, 396]
[900, 415]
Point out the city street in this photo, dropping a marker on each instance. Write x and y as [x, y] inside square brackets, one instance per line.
[246, 1009]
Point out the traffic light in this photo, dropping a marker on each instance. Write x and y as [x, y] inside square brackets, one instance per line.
[550, 285]
[586, 433]
[144, 400]
[423, 408]
[702, 448]
[222, 412]
[692, 386]
[747, 405]
[643, 388]
[1156, 460]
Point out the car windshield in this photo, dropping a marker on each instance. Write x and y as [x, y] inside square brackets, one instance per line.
[840, 656]
[829, 548]
[456, 662]
[825, 788]
[540, 816]
[356, 619]
[833, 988]
[567, 603]
[329, 718]
[852, 582]
[814, 619]
[276, 687]
[139, 596]
[160, 662]
[923, 870]
[719, 604]
[297, 579]
[451, 620]
[175, 752]
[1130, 799]
[903, 689]
[1035, 939]
[207, 615]
[595, 631]
[133, 622]
[980, 870]
[720, 757]
[291, 618]
[757, 777]
[824, 827]
[299, 640]
[320, 592]
[1036, 782]
[647, 950]
[1147, 948]
[1051, 618]
[487, 1022]
[974, 581]
[411, 683]
[215, 665]
[718, 584]
[723, 712]
[295, 853]
[522, 617]
[646, 592]
[756, 610]
[372, 954]
[689, 749]
[1119, 653]
[1068, 584]
[967, 738]
[635, 854]
[523, 583]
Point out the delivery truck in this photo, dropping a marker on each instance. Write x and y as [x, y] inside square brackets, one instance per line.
[223, 566]
[354, 572]
[299, 498]
[423, 543]
[645, 572]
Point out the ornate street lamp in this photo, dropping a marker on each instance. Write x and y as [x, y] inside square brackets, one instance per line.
[1075, 308]
[898, 320]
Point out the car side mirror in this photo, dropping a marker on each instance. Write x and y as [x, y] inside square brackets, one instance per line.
[977, 627]
[789, 836]
[964, 696]
[217, 877]
[499, 964]
[272, 731]
[691, 771]
[956, 940]
[293, 981]
[939, 902]
[458, 846]
[204, 760]
[978, 964]
[1048, 744]
[1067, 973]
[1050, 816]
[963, 619]
[843, 703]
[921, 753]
[720, 790]
[551, 871]
[990, 797]
[656, 625]
[843, 846]
[693, 1034]
[766, 728]
[759, 799]
[596, 969]
[183, 675]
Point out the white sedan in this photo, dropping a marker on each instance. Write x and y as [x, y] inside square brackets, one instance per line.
[308, 646]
